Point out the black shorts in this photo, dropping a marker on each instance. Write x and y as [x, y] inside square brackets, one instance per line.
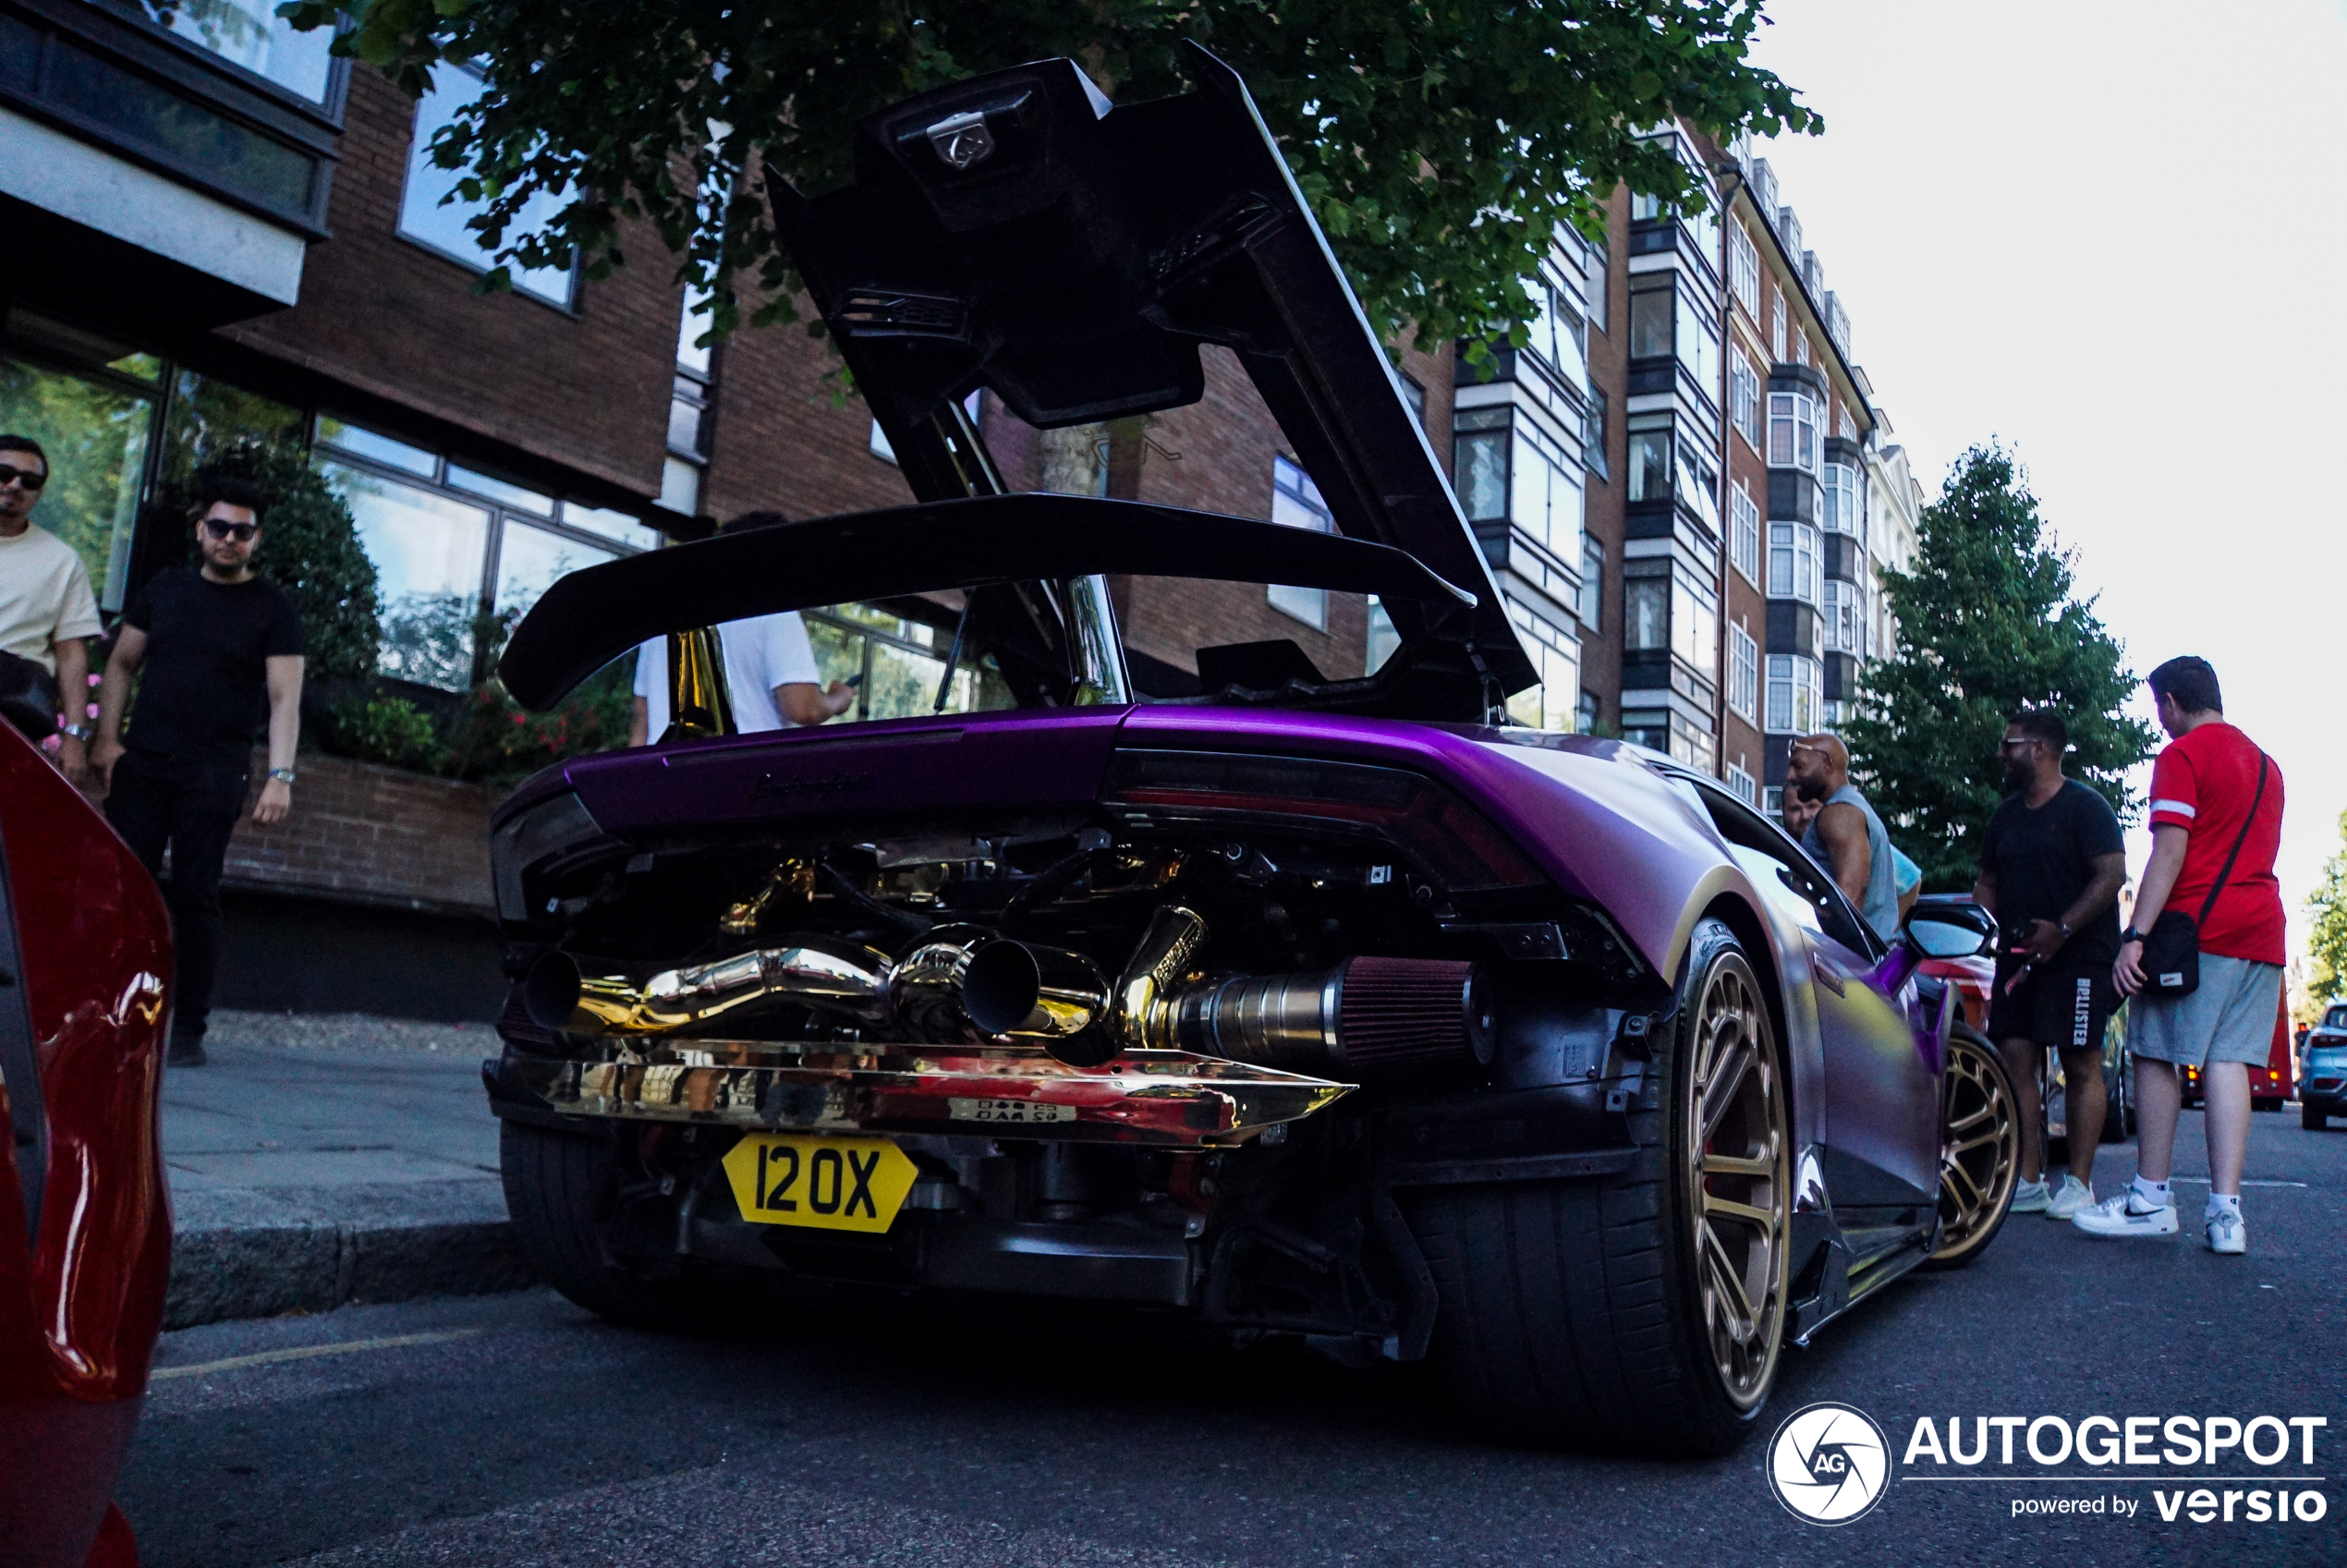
[2065, 1004]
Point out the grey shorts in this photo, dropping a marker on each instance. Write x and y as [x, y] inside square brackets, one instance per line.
[2229, 1018]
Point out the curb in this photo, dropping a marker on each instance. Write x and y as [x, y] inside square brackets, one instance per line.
[311, 1262]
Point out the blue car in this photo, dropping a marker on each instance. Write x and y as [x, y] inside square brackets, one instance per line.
[2322, 1072]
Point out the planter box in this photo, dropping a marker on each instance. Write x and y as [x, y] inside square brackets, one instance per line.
[363, 834]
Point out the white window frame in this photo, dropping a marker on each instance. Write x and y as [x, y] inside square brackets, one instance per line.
[1744, 675]
[1777, 325]
[1291, 484]
[548, 285]
[1743, 397]
[1794, 415]
[1745, 787]
[1793, 562]
[1795, 694]
[1744, 268]
[1744, 535]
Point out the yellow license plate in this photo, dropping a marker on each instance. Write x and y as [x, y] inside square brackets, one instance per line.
[831, 1184]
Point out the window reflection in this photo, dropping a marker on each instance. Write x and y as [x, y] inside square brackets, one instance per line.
[424, 218]
[428, 552]
[529, 560]
[95, 434]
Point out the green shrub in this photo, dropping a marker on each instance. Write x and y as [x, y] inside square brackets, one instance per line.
[390, 730]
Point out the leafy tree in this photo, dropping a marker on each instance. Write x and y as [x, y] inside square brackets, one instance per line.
[1440, 144]
[1988, 625]
[309, 547]
[2327, 948]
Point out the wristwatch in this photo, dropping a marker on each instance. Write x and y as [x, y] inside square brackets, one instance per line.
[2063, 927]
[283, 775]
[79, 731]
[2130, 934]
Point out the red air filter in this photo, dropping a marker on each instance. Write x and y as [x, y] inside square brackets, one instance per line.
[1396, 1014]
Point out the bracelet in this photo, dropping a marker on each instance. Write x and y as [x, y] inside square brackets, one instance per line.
[79, 731]
[283, 775]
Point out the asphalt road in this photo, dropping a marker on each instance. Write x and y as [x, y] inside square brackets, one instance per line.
[517, 1430]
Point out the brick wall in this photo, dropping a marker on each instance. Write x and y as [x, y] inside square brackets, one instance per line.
[360, 833]
[782, 438]
[393, 320]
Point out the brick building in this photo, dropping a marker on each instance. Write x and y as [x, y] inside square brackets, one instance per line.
[223, 231]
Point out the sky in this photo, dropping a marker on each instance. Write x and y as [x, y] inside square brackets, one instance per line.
[2110, 236]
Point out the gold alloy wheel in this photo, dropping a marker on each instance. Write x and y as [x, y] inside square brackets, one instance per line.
[1980, 1153]
[1738, 1167]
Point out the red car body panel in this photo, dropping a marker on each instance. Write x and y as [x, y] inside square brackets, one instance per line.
[82, 1299]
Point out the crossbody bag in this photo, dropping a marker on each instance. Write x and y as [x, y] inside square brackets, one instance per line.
[2171, 948]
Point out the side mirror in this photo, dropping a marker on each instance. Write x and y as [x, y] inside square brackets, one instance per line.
[1935, 937]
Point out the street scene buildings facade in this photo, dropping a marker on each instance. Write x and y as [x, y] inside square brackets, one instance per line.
[1680, 480]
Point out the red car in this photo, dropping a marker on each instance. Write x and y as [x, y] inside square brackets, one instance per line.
[85, 1218]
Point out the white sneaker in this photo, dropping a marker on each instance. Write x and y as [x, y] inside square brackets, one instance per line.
[2225, 1233]
[2028, 1198]
[2124, 1215]
[2074, 1195]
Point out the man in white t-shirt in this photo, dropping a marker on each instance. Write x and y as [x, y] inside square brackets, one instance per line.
[770, 668]
[47, 612]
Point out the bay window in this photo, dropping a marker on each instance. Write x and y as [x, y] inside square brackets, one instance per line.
[1651, 465]
[1652, 313]
[1843, 513]
[1695, 621]
[1793, 430]
[1698, 344]
[1793, 562]
[1845, 618]
[1646, 614]
[250, 34]
[1509, 469]
[1479, 459]
[1797, 685]
[1698, 486]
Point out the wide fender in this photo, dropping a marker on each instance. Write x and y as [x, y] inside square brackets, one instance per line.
[1783, 957]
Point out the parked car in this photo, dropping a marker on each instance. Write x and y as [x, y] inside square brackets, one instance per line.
[2322, 1083]
[1309, 1002]
[1972, 975]
[85, 1221]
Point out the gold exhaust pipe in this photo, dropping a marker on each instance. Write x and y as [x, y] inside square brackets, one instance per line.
[559, 997]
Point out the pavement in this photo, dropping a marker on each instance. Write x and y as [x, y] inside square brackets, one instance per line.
[320, 1161]
[517, 1428]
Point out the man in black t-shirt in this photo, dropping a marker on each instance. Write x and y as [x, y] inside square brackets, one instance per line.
[2052, 864]
[216, 645]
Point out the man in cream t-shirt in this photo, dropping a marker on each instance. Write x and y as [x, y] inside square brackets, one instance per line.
[46, 610]
[769, 667]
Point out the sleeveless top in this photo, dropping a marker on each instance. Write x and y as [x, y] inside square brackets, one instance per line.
[1880, 907]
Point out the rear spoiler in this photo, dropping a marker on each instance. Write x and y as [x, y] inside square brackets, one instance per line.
[593, 617]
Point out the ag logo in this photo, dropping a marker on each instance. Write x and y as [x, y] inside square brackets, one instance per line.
[1829, 1464]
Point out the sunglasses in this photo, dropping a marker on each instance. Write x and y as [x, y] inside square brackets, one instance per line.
[25, 476]
[240, 532]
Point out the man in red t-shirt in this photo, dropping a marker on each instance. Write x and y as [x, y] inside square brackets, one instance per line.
[2210, 790]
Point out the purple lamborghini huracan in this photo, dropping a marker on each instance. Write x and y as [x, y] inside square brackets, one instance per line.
[1305, 1003]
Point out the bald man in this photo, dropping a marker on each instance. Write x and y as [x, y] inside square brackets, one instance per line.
[1846, 837]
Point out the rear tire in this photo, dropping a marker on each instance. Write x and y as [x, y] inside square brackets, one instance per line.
[1644, 1310]
[2313, 1118]
[1979, 1149]
[559, 1188]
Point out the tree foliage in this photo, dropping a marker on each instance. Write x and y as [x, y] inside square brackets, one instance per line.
[1439, 143]
[1988, 625]
[2326, 947]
